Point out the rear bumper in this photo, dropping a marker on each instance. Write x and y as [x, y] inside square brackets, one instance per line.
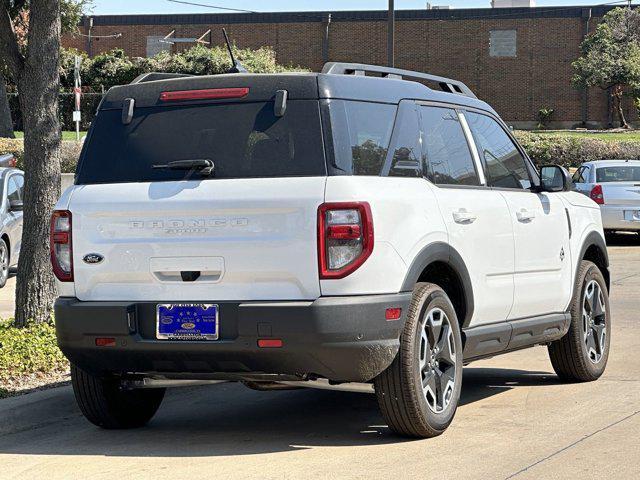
[615, 218]
[339, 338]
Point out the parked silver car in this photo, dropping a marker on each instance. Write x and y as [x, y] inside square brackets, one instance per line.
[615, 186]
[7, 160]
[12, 183]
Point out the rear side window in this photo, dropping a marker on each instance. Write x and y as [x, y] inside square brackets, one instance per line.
[448, 156]
[618, 174]
[406, 143]
[581, 175]
[360, 134]
[244, 140]
[504, 165]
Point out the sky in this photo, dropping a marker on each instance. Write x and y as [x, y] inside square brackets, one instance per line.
[114, 7]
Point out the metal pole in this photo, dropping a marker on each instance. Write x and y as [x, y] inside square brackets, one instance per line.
[77, 93]
[89, 39]
[586, 15]
[391, 19]
[325, 39]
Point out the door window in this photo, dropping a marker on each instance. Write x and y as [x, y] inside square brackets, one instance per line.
[13, 189]
[449, 160]
[505, 166]
[19, 179]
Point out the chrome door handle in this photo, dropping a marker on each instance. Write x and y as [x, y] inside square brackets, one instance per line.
[464, 217]
[525, 215]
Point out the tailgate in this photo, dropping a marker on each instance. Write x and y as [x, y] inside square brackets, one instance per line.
[216, 240]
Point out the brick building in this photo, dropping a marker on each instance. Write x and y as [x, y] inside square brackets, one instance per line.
[518, 59]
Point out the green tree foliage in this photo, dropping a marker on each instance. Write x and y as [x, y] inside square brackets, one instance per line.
[611, 56]
[115, 68]
[71, 12]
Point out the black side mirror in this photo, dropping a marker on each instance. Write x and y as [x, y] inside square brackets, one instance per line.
[16, 205]
[554, 178]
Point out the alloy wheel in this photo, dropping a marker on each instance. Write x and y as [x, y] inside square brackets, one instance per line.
[437, 359]
[4, 261]
[594, 317]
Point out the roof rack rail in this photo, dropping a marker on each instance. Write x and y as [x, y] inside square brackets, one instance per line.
[446, 84]
[153, 76]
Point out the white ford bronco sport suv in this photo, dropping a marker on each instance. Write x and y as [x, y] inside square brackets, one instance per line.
[353, 228]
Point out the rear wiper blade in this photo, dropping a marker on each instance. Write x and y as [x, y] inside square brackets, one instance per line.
[204, 166]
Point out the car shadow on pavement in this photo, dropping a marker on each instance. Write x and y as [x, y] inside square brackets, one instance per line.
[229, 419]
[480, 383]
[627, 239]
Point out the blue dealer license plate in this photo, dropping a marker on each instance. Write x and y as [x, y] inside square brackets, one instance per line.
[187, 321]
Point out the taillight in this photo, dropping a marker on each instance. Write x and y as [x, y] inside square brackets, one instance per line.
[13, 162]
[596, 194]
[61, 248]
[345, 237]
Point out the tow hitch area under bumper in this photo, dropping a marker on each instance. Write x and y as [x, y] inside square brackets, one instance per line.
[339, 338]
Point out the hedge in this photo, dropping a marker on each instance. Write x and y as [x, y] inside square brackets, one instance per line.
[572, 151]
[68, 160]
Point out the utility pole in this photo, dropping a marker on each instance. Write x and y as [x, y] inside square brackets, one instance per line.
[325, 38]
[391, 19]
[89, 38]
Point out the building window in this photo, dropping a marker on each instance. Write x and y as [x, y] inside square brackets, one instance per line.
[155, 46]
[502, 43]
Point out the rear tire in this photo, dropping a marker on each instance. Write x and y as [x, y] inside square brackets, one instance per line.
[418, 393]
[106, 405]
[581, 355]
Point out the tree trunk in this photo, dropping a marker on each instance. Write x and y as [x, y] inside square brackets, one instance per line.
[617, 94]
[6, 124]
[38, 88]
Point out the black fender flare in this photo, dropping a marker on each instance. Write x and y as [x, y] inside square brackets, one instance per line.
[594, 239]
[442, 252]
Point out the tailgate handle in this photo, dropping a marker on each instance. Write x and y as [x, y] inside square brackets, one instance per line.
[189, 276]
[187, 269]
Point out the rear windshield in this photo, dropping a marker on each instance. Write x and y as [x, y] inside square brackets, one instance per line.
[244, 140]
[618, 174]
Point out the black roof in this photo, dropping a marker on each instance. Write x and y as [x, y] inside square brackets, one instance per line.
[262, 87]
[344, 16]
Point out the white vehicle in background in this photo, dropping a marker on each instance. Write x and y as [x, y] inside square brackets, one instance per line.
[615, 186]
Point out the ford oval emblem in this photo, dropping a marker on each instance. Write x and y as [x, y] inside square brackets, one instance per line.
[92, 258]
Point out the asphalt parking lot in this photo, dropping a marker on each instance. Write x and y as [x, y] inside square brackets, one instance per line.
[515, 421]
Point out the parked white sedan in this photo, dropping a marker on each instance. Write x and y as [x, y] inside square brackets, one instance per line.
[615, 186]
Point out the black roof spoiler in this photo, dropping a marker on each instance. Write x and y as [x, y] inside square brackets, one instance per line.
[446, 84]
[153, 76]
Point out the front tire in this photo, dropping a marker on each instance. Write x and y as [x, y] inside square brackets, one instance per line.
[581, 355]
[4, 263]
[106, 405]
[418, 393]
